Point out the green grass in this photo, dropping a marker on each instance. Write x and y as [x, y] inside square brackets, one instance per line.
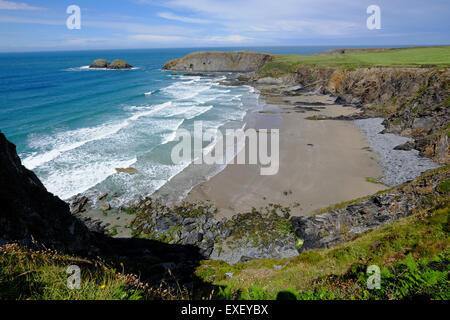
[414, 57]
[373, 180]
[41, 275]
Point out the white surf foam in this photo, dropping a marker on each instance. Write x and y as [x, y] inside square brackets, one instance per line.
[71, 140]
[68, 182]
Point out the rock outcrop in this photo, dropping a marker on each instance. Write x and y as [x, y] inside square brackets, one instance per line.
[115, 65]
[119, 64]
[30, 213]
[263, 233]
[216, 61]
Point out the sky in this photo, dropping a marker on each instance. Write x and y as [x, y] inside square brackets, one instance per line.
[32, 25]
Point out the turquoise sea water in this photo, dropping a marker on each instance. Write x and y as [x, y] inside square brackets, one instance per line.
[73, 126]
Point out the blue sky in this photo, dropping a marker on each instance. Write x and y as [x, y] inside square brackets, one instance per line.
[32, 25]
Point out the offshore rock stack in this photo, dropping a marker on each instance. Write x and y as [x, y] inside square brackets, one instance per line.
[115, 65]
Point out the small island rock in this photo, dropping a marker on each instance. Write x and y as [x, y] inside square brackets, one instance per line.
[119, 64]
[100, 63]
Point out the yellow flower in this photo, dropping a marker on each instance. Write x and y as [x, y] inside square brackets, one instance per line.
[103, 286]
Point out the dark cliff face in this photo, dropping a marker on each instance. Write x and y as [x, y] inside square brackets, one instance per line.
[28, 211]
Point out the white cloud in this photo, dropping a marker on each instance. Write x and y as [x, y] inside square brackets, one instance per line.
[171, 16]
[141, 28]
[273, 18]
[10, 5]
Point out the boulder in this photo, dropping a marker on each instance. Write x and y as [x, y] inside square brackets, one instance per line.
[127, 170]
[105, 207]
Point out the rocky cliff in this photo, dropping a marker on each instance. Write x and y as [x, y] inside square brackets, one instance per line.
[215, 61]
[414, 101]
[29, 212]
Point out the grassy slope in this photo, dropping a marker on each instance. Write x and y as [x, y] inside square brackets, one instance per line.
[41, 275]
[413, 57]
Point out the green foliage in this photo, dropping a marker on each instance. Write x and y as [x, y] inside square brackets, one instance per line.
[444, 186]
[373, 180]
[447, 102]
[254, 293]
[41, 275]
[409, 279]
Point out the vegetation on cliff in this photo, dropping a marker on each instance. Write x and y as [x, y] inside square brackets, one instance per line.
[41, 275]
[413, 254]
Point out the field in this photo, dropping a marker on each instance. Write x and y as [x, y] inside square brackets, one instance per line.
[410, 57]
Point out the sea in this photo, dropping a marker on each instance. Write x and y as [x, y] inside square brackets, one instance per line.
[73, 126]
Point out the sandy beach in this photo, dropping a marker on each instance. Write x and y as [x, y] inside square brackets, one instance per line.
[322, 162]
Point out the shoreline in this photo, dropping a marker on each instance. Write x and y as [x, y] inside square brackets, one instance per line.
[314, 172]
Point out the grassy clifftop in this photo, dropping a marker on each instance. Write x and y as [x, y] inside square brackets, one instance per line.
[410, 57]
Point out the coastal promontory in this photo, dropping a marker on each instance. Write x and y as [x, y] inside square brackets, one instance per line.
[215, 61]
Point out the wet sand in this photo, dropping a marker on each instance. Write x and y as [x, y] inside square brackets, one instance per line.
[322, 162]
